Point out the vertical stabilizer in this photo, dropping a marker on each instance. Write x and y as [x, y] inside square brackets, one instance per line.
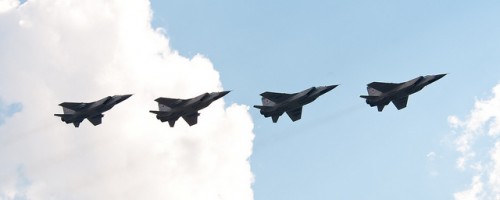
[267, 102]
[380, 107]
[68, 111]
[373, 91]
[275, 118]
[163, 108]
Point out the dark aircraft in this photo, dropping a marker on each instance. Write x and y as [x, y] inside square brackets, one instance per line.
[275, 104]
[381, 94]
[172, 109]
[76, 112]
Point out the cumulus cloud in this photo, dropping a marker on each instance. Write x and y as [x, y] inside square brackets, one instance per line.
[72, 50]
[473, 193]
[6, 5]
[479, 145]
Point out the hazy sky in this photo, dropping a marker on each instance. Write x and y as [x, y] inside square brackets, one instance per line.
[444, 145]
[81, 51]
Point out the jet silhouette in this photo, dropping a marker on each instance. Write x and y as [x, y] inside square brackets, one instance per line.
[381, 94]
[76, 112]
[172, 109]
[275, 104]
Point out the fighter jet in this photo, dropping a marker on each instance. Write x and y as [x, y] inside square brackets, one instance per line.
[76, 112]
[172, 109]
[275, 104]
[381, 94]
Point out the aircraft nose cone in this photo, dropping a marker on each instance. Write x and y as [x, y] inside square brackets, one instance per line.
[126, 96]
[223, 93]
[120, 98]
[218, 95]
[331, 87]
[439, 76]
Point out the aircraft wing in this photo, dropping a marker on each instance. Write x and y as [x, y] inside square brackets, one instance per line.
[276, 97]
[170, 102]
[295, 114]
[73, 106]
[400, 103]
[96, 120]
[383, 87]
[191, 118]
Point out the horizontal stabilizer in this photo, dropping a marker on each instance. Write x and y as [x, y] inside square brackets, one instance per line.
[368, 97]
[163, 115]
[156, 112]
[63, 115]
[261, 107]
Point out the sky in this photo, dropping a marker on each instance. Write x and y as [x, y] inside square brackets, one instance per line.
[444, 145]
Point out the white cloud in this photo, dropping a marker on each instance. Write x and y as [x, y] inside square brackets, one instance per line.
[494, 176]
[431, 165]
[6, 5]
[71, 50]
[479, 145]
[431, 156]
[474, 193]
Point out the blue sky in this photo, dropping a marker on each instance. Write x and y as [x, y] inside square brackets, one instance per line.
[7, 110]
[342, 148]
